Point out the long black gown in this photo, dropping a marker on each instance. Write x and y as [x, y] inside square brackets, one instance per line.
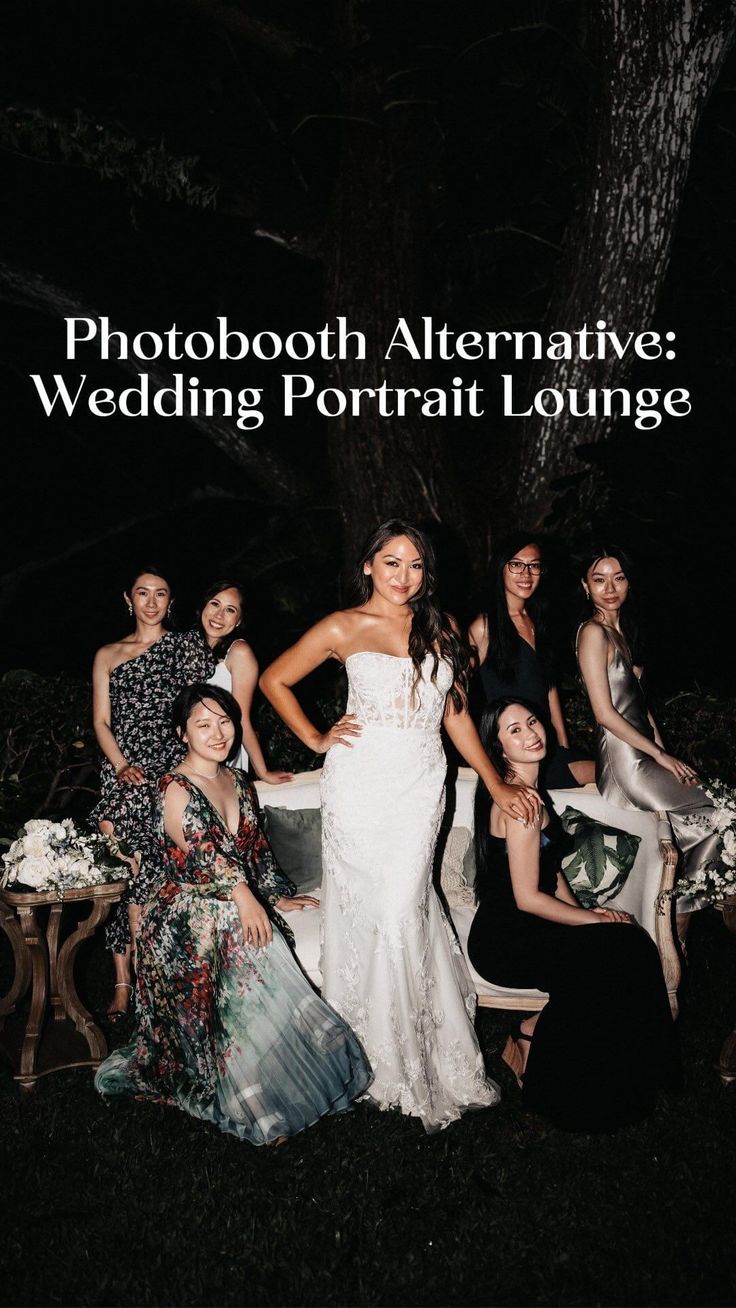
[605, 1043]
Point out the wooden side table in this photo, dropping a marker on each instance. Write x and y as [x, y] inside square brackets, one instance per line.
[40, 963]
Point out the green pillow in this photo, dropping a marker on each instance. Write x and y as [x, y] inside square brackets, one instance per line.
[601, 860]
[295, 836]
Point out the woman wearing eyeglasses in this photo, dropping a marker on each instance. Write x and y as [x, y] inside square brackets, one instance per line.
[512, 651]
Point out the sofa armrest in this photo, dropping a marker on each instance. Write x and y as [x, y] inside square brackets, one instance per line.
[652, 874]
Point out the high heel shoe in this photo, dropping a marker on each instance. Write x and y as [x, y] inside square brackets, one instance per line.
[513, 1057]
[117, 1015]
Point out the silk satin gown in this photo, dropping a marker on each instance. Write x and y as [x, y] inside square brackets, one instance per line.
[391, 965]
[627, 778]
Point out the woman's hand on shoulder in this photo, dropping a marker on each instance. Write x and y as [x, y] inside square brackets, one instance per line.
[275, 778]
[522, 803]
[294, 903]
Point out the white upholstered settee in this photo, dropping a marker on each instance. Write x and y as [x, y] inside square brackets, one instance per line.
[652, 873]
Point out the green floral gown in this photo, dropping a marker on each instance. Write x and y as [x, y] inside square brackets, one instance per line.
[232, 1034]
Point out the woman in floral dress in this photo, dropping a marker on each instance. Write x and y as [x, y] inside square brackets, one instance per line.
[229, 1029]
[135, 681]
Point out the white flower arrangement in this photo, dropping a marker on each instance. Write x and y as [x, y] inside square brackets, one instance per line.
[716, 882]
[55, 856]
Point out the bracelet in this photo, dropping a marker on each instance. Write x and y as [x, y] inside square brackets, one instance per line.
[121, 767]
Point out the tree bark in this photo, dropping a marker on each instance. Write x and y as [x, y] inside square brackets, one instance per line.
[374, 255]
[658, 63]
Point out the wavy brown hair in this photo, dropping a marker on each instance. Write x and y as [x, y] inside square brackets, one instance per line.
[432, 631]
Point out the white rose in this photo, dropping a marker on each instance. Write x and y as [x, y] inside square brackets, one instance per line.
[34, 846]
[78, 868]
[729, 842]
[35, 872]
[59, 832]
[37, 824]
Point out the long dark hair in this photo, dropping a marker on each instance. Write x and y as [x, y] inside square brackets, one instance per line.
[197, 693]
[219, 651]
[628, 613]
[432, 632]
[488, 732]
[153, 570]
[503, 638]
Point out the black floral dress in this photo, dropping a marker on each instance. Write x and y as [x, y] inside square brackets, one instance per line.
[142, 691]
[232, 1034]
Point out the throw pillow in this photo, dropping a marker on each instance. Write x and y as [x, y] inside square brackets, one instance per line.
[601, 860]
[295, 836]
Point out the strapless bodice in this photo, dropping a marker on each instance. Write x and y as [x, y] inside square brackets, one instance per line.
[382, 691]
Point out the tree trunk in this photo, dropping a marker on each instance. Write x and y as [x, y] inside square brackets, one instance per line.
[374, 273]
[658, 62]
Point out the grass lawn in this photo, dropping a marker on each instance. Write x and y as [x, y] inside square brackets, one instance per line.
[136, 1204]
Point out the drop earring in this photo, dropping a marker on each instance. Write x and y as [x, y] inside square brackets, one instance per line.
[130, 608]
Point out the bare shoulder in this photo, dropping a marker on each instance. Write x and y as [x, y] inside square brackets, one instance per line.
[591, 635]
[343, 626]
[108, 656]
[520, 837]
[478, 629]
[176, 798]
[240, 654]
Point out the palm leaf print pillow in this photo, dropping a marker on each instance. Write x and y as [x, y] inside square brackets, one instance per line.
[601, 858]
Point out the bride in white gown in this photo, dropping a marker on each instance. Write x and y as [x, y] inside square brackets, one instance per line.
[391, 965]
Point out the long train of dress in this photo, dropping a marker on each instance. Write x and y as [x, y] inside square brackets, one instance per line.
[391, 965]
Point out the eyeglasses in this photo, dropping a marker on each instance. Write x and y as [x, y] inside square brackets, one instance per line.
[518, 565]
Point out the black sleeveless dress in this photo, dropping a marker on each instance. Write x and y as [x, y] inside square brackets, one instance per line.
[530, 682]
[605, 1043]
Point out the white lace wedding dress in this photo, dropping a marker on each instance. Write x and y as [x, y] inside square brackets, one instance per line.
[391, 965]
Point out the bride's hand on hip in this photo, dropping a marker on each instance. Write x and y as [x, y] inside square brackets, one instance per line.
[682, 771]
[338, 734]
[522, 803]
[290, 904]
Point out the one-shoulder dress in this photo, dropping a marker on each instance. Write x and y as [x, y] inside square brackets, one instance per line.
[628, 778]
[391, 964]
[142, 691]
[231, 1034]
[604, 1045]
